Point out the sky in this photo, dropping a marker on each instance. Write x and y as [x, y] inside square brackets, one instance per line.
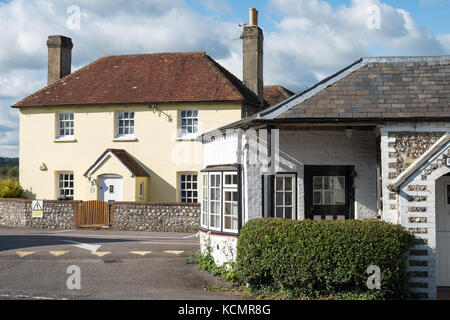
[304, 40]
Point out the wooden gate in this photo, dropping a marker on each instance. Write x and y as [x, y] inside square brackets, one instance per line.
[93, 214]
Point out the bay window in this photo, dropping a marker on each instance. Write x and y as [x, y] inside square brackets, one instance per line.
[220, 201]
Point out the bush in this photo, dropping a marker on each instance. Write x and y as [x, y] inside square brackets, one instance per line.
[323, 258]
[206, 263]
[9, 189]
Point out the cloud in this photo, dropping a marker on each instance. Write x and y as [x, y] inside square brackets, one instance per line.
[313, 39]
[309, 40]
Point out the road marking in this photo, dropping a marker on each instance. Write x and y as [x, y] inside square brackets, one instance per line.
[101, 254]
[177, 243]
[194, 235]
[141, 253]
[174, 252]
[57, 253]
[24, 253]
[86, 246]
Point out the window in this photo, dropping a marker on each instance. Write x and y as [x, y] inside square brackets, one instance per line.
[65, 185]
[141, 190]
[188, 188]
[65, 125]
[214, 201]
[188, 123]
[230, 202]
[329, 190]
[205, 207]
[124, 124]
[285, 196]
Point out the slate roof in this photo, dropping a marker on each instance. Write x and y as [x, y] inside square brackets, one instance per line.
[374, 89]
[274, 94]
[145, 78]
[126, 159]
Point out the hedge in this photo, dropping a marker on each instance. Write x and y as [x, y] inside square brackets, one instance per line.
[323, 258]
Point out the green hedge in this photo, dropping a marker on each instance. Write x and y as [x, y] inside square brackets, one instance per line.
[10, 189]
[323, 258]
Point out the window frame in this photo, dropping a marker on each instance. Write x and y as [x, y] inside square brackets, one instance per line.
[187, 135]
[230, 188]
[119, 136]
[333, 190]
[293, 176]
[220, 214]
[205, 202]
[59, 128]
[180, 190]
[141, 190]
[58, 181]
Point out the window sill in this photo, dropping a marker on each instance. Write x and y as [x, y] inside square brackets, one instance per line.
[124, 139]
[65, 140]
[187, 138]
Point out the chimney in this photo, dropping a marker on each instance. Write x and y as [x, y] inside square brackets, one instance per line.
[59, 57]
[253, 39]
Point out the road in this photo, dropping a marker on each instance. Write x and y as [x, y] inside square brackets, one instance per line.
[112, 265]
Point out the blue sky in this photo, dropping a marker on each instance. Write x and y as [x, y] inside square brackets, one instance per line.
[304, 40]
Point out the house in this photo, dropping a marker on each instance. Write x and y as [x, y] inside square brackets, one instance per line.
[369, 142]
[123, 128]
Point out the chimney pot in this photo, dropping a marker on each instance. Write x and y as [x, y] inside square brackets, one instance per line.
[253, 17]
[59, 57]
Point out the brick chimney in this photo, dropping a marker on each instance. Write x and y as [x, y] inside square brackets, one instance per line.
[59, 57]
[253, 40]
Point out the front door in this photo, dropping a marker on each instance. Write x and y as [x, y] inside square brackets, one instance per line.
[443, 231]
[110, 188]
[329, 192]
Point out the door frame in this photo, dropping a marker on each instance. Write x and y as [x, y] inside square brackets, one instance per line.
[440, 210]
[347, 171]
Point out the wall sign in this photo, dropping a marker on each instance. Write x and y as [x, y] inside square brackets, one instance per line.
[37, 209]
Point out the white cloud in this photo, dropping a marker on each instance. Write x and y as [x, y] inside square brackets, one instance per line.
[311, 39]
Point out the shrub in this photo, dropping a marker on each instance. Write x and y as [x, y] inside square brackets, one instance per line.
[206, 263]
[323, 258]
[9, 189]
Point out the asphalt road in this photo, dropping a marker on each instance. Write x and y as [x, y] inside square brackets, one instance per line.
[112, 265]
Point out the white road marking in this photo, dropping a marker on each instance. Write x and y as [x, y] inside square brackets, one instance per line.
[177, 243]
[86, 246]
[194, 235]
[29, 297]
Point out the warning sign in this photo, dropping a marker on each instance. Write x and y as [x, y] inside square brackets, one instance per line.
[37, 208]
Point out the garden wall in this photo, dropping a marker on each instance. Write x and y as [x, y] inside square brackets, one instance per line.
[130, 216]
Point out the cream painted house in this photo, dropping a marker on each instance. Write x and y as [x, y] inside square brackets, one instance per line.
[123, 128]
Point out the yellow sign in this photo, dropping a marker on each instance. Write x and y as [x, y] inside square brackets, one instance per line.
[37, 207]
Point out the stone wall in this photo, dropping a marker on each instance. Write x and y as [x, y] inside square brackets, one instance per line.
[57, 214]
[165, 217]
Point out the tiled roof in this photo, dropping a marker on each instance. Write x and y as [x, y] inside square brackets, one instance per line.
[145, 78]
[126, 159]
[274, 94]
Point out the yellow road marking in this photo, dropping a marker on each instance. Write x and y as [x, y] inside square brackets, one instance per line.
[101, 254]
[24, 253]
[174, 252]
[57, 253]
[141, 253]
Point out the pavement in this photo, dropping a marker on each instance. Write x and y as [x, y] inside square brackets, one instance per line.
[39, 264]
